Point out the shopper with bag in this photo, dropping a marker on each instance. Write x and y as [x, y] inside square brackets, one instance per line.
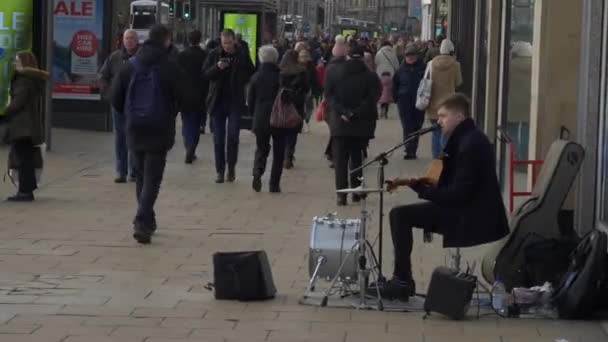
[446, 76]
[25, 130]
[262, 95]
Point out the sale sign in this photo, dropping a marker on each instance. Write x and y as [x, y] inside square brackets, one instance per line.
[15, 36]
[78, 39]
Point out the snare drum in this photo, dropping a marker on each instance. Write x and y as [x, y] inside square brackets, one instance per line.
[334, 239]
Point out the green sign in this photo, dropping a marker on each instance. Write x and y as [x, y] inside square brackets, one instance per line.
[247, 26]
[351, 33]
[15, 35]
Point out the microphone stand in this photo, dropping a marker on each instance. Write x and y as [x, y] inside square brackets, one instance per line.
[382, 160]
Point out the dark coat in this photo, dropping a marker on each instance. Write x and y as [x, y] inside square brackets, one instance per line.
[311, 73]
[192, 60]
[263, 90]
[24, 112]
[110, 69]
[297, 84]
[406, 82]
[468, 189]
[237, 76]
[179, 95]
[350, 87]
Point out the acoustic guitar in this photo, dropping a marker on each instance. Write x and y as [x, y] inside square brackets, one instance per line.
[431, 176]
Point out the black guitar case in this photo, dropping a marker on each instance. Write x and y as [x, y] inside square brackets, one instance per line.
[537, 218]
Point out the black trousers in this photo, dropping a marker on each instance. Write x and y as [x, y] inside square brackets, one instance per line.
[24, 152]
[149, 170]
[347, 155]
[403, 220]
[279, 142]
[329, 150]
[290, 148]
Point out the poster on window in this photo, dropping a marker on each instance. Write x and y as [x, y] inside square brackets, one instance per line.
[247, 26]
[78, 38]
[15, 36]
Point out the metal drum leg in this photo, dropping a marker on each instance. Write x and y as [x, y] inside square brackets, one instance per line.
[313, 279]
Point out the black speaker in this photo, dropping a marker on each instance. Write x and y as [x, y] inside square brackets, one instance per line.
[244, 276]
[450, 293]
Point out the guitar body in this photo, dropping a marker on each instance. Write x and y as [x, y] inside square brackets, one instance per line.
[537, 218]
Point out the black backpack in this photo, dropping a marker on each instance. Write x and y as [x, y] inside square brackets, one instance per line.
[146, 105]
[578, 292]
[243, 276]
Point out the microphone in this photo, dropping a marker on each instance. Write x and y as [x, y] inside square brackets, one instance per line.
[423, 131]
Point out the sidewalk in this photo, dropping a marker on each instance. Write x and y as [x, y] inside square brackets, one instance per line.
[70, 270]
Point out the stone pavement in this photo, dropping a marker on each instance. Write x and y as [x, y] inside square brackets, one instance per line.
[70, 271]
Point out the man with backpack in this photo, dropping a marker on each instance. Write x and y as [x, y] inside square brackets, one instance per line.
[150, 91]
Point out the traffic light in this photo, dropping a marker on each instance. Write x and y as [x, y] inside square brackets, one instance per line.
[186, 11]
[171, 8]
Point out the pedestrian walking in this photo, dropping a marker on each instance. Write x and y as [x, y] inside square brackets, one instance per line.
[386, 99]
[150, 91]
[386, 60]
[228, 69]
[107, 73]
[305, 60]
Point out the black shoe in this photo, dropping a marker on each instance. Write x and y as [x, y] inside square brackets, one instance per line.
[394, 289]
[231, 176]
[410, 156]
[141, 234]
[120, 179]
[257, 183]
[341, 201]
[203, 130]
[274, 189]
[220, 178]
[21, 197]
[288, 165]
[132, 179]
[153, 227]
[356, 198]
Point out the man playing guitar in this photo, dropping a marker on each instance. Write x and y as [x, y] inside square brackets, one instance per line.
[464, 205]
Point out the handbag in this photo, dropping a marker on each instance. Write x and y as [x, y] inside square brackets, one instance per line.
[13, 164]
[284, 113]
[423, 96]
[320, 112]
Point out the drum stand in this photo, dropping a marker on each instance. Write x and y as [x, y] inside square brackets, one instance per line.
[365, 254]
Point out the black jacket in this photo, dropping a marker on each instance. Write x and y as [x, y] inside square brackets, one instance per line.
[298, 85]
[406, 81]
[468, 188]
[237, 76]
[263, 90]
[178, 93]
[351, 88]
[192, 60]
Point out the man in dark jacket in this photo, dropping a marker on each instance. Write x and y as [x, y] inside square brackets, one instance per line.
[192, 60]
[263, 91]
[150, 144]
[228, 70]
[352, 92]
[107, 73]
[405, 88]
[465, 205]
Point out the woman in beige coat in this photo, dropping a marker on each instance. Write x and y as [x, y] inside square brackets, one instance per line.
[446, 76]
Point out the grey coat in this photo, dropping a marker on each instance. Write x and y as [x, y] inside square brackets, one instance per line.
[24, 112]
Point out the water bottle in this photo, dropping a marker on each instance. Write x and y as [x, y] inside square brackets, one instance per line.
[499, 297]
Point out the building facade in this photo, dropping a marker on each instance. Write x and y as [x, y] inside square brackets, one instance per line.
[536, 72]
[394, 15]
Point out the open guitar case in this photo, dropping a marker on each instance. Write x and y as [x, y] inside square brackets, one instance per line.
[536, 220]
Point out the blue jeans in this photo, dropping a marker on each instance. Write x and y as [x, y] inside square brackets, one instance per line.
[191, 125]
[226, 130]
[121, 150]
[437, 142]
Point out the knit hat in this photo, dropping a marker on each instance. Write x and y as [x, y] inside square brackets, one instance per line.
[411, 50]
[447, 47]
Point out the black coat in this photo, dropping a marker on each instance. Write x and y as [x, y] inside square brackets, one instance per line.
[406, 81]
[192, 60]
[350, 87]
[263, 90]
[468, 189]
[298, 84]
[179, 95]
[237, 76]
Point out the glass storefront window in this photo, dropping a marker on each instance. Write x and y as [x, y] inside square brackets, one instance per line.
[520, 75]
[603, 180]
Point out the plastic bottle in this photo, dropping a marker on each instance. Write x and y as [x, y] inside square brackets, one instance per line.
[499, 297]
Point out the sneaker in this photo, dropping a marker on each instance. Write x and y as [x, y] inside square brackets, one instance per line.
[21, 197]
[394, 289]
[257, 183]
[220, 178]
[120, 179]
[141, 234]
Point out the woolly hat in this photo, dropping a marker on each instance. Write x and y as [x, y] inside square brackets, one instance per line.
[447, 47]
